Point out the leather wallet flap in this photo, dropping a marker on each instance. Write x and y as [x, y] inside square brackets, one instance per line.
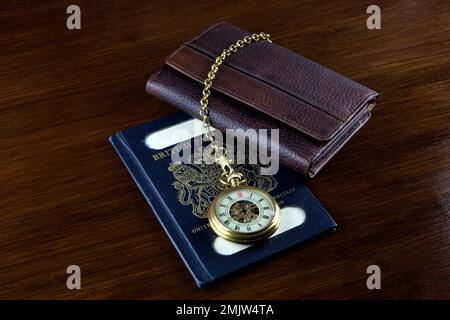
[274, 80]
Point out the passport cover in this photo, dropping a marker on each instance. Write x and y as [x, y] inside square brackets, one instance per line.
[179, 195]
[264, 85]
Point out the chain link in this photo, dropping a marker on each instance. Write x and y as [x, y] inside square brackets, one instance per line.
[219, 153]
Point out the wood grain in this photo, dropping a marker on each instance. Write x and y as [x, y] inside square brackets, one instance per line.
[65, 197]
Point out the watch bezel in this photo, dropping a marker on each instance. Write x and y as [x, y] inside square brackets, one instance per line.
[243, 237]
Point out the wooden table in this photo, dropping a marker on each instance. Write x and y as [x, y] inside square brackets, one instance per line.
[66, 198]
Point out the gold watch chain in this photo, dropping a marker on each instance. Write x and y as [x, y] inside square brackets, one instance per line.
[229, 176]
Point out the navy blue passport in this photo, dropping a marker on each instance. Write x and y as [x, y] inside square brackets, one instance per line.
[179, 195]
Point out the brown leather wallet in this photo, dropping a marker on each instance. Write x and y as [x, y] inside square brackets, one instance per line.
[267, 86]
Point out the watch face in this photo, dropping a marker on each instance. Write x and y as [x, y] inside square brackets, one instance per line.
[244, 213]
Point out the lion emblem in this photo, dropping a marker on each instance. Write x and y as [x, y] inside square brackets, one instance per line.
[198, 184]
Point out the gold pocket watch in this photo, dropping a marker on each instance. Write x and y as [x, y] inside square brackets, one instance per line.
[244, 214]
[239, 213]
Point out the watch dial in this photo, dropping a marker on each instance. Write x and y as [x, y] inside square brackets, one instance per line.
[245, 210]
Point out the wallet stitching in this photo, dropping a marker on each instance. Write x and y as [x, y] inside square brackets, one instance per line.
[261, 79]
[246, 71]
[156, 79]
[246, 101]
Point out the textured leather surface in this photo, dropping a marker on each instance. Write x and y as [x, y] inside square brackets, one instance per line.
[258, 94]
[267, 86]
